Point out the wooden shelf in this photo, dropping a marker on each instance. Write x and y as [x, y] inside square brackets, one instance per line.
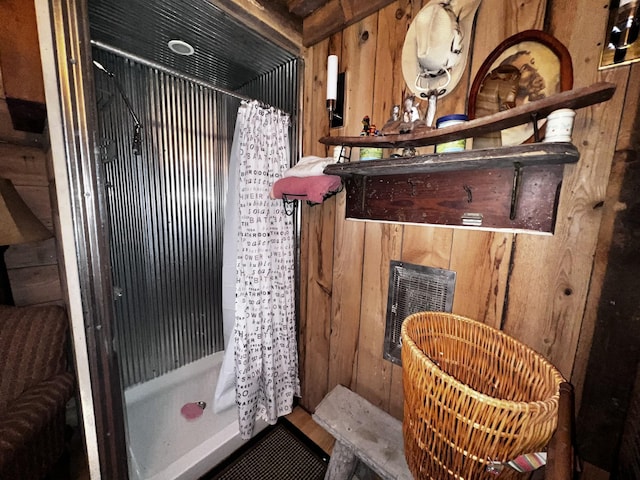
[496, 198]
[574, 99]
[514, 188]
[490, 158]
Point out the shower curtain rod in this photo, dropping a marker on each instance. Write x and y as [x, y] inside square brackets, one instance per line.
[170, 71]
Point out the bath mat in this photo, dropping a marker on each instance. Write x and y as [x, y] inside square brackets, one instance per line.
[280, 452]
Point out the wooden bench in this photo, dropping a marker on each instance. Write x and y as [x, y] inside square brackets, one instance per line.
[362, 432]
[366, 433]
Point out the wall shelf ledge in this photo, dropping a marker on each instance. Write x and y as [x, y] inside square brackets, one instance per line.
[513, 188]
[574, 99]
[503, 157]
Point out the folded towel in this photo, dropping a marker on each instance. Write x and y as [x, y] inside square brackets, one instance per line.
[309, 167]
[313, 189]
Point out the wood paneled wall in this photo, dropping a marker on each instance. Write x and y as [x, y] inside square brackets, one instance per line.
[32, 267]
[534, 287]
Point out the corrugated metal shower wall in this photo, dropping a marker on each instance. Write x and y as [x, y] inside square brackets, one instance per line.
[166, 214]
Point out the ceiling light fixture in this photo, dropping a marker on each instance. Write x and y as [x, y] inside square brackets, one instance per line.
[181, 47]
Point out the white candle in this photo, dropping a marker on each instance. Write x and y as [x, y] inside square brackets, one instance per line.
[332, 77]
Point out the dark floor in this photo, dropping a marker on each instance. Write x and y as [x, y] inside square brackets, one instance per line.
[74, 466]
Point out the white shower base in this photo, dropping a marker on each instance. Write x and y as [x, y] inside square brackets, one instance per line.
[163, 445]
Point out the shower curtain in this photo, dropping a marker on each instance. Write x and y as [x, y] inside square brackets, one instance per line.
[260, 367]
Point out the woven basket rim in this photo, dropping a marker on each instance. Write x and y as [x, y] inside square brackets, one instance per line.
[463, 387]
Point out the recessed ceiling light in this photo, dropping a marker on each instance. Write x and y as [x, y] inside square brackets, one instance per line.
[181, 47]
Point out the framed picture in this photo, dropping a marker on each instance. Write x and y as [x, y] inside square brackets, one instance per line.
[621, 45]
[528, 66]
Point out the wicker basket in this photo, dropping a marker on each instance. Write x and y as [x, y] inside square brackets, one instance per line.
[471, 394]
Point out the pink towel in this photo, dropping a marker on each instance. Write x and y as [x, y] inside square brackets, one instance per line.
[314, 189]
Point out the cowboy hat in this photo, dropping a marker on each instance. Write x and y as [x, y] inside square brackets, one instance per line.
[436, 46]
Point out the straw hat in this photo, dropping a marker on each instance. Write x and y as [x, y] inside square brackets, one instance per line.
[436, 46]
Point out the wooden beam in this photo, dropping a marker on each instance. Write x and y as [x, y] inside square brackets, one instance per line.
[269, 19]
[336, 15]
[303, 8]
[20, 53]
[21, 68]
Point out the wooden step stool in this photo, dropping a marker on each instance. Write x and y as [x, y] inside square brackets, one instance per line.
[362, 432]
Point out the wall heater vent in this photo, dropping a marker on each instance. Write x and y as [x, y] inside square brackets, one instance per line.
[412, 289]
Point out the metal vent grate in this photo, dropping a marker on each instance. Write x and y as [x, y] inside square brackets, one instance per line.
[412, 289]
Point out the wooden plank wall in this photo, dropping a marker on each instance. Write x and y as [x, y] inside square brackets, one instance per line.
[32, 267]
[533, 287]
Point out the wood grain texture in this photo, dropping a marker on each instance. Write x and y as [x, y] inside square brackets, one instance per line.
[38, 201]
[479, 257]
[303, 421]
[20, 55]
[501, 157]
[317, 245]
[427, 246]
[305, 231]
[337, 15]
[31, 254]
[629, 134]
[343, 462]
[534, 287]
[482, 266]
[35, 285]
[315, 27]
[302, 8]
[420, 245]
[32, 267]
[389, 86]
[23, 165]
[447, 198]
[574, 99]
[560, 267]
[269, 20]
[383, 242]
[626, 144]
[373, 379]
[365, 430]
[497, 20]
[358, 53]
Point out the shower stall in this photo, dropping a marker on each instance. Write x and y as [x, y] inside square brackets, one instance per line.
[165, 126]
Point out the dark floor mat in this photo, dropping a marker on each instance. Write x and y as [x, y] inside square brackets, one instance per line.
[280, 452]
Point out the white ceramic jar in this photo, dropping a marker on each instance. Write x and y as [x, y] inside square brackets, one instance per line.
[559, 126]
